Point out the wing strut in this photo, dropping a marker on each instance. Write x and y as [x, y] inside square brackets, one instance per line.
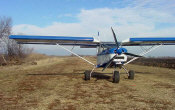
[75, 54]
[79, 57]
[143, 53]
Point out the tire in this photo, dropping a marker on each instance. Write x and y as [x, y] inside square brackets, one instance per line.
[131, 74]
[116, 77]
[87, 75]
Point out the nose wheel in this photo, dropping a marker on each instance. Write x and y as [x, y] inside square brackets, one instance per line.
[116, 77]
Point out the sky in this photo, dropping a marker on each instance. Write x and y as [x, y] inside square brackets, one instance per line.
[129, 18]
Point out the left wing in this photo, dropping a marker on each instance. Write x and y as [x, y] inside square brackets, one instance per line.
[53, 40]
[148, 41]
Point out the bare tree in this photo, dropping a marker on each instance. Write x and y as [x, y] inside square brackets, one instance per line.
[5, 26]
[5, 31]
[9, 47]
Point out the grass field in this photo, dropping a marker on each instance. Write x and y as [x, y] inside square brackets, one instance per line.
[57, 83]
[167, 62]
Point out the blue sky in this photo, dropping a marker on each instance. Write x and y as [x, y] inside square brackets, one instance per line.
[43, 12]
[129, 18]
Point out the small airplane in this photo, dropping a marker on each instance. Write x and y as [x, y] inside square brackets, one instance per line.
[108, 53]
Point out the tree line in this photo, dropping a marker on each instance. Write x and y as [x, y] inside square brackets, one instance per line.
[9, 48]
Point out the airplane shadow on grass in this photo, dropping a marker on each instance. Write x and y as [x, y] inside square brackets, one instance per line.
[53, 74]
[100, 76]
[96, 75]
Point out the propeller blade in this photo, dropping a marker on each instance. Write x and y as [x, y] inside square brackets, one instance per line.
[115, 37]
[131, 54]
[110, 61]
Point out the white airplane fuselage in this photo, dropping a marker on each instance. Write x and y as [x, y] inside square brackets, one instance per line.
[105, 55]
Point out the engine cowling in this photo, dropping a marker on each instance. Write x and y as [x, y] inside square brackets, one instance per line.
[121, 50]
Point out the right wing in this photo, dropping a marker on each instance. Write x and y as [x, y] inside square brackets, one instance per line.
[148, 41]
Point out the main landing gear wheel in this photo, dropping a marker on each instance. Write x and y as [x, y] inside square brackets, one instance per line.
[131, 74]
[87, 75]
[116, 77]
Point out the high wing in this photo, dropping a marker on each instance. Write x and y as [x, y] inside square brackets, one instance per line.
[148, 41]
[90, 42]
[53, 40]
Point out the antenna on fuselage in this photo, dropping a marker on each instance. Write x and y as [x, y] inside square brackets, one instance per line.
[100, 45]
[98, 35]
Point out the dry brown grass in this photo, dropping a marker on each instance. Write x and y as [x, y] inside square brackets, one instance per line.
[166, 62]
[57, 83]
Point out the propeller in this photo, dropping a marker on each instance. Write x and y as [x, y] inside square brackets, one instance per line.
[131, 54]
[115, 38]
[110, 61]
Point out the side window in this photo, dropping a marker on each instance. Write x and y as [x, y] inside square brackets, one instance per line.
[101, 50]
